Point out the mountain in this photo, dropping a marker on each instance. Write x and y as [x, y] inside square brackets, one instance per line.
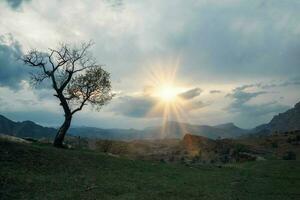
[287, 121]
[283, 122]
[170, 129]
[174, 129]
[25, 129]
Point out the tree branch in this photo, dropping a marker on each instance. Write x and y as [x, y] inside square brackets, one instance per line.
[65, 83]
[80, 107]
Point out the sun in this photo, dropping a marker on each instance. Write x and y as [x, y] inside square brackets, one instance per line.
[165, 90]
[167, 93]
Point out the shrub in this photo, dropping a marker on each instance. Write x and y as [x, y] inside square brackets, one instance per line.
[104, 145]
[289, 155]
[274, 145]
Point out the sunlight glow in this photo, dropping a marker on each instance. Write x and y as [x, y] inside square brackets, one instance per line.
[167, 93]
[163, 85]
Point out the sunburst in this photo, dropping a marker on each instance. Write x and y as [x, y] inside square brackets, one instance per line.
[167, 93]
[166, 90]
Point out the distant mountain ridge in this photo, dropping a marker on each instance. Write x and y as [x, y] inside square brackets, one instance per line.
[108, 134]
[287, 121]
[169, 130]
[174, 129]
[25, 129]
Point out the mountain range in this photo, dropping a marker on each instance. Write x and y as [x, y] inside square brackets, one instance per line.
[25, 129]
[170, 129]
[287, 121]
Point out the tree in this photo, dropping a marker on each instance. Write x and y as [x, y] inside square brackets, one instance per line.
[75, 77]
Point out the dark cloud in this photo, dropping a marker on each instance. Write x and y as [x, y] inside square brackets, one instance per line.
[115, 4]
[250, 114]
[134, 106]
[293, 81]
[15, 4]
[269, 85]
[190, 94]
[215, 91]
[233, 45]
[195, 105]
[12, 71]
[241, 97]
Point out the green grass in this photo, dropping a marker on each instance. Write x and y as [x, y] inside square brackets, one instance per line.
[43, 172]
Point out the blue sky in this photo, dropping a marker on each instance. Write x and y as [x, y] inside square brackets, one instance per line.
[236, 61]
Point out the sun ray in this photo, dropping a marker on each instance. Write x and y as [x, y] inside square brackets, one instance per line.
[162, 86]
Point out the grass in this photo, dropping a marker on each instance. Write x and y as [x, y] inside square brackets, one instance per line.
[32, 171]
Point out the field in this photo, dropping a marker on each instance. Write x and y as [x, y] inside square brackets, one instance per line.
[34, 171]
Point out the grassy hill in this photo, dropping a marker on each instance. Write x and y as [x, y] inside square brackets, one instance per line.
[35, 171]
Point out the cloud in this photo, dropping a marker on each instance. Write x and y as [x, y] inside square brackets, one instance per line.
[215, 91]
[224, 47]
[272, 84]
[242, 106]
[15, 4]
[292, 81]
[147, 106]
[241, 97]
[250, 106]
[12, 71]
[132, 106]
[233, 44]
[195, 105]
[115, 4]
[212, 50]
[190, 94]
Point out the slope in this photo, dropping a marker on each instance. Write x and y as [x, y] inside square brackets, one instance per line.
[32, 171]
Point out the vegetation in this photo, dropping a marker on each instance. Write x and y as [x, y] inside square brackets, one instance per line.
[75, 77]
[289, 156]
[39, 171]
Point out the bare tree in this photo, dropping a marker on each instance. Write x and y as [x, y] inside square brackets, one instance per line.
[75, 77]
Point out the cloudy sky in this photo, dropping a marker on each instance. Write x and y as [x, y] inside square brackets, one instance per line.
[229, 60]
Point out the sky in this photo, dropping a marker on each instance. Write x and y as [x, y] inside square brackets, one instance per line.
[228, 60]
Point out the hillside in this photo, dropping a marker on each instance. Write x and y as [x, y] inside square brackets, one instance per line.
[287, 121]
[34, 171]
[283, 122]
[198, 150]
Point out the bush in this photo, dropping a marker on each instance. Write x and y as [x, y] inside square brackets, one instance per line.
[274, 145]
[289, 155]
[104, 145]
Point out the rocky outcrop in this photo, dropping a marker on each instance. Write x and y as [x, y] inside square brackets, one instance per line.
[287, 121]
[283, 122]
[204, 150]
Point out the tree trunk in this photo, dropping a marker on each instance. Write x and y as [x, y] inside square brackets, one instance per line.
[59, 138]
